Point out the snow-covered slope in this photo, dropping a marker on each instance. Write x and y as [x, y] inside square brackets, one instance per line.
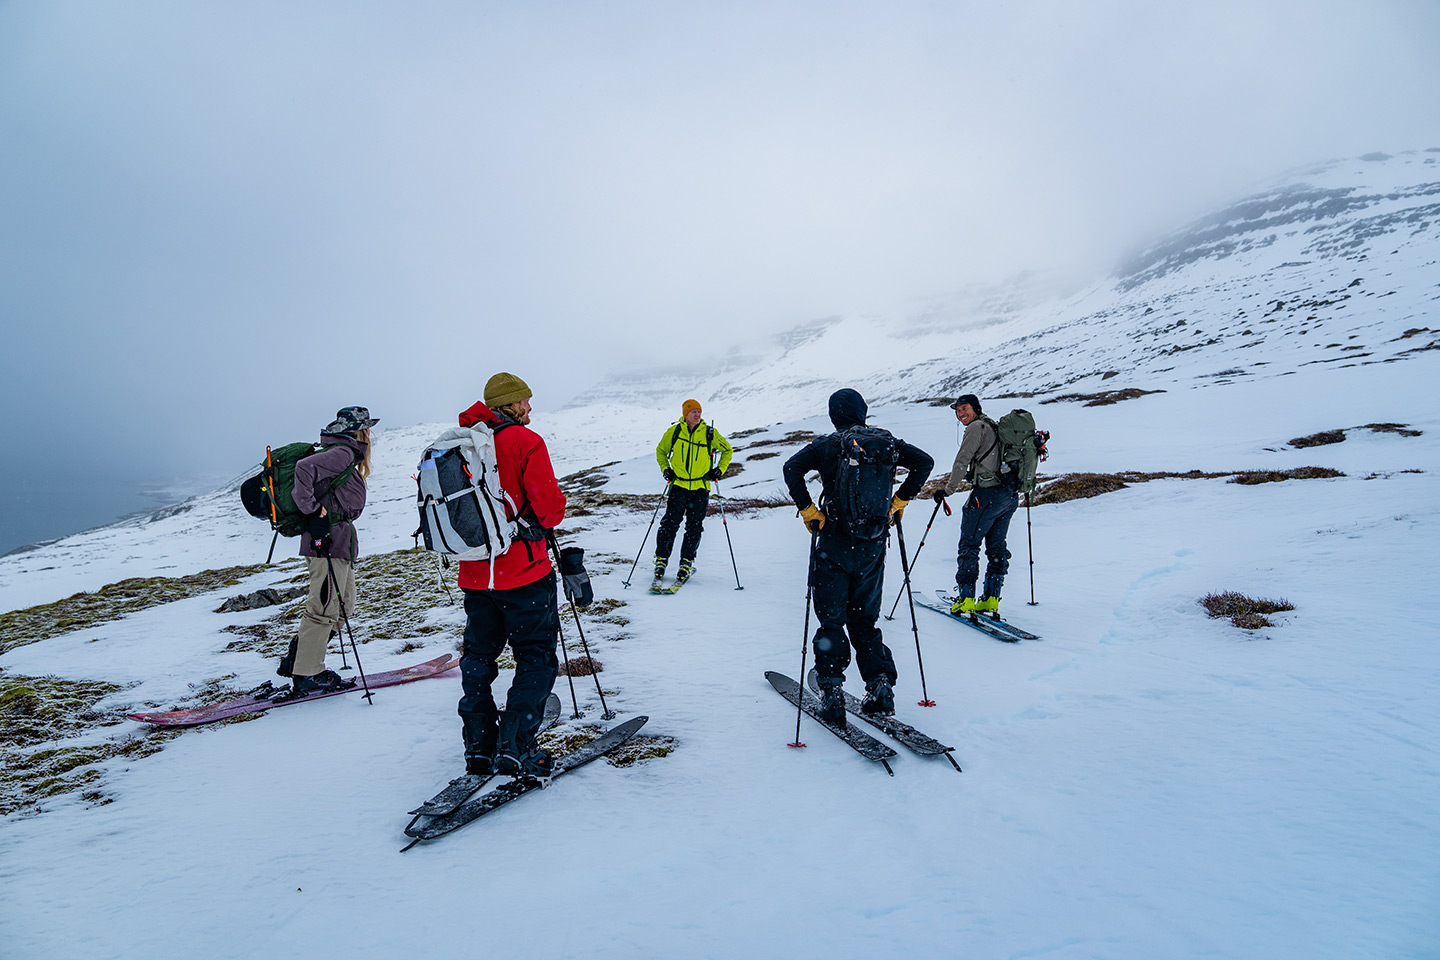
[1144, 782]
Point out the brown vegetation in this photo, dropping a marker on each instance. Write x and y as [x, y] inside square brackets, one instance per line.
[1105, 397]
[1320, 439]
[793, 438]
[580, 667]
[1251, 477]
[1244, 612]
[1080, 486]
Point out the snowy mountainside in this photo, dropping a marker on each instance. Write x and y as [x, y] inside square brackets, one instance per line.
[1334, 266]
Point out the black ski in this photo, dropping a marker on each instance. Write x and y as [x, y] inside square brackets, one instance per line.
[901, 731]
[986, 624]
[477, 807]
[459, 790]
[863, 744]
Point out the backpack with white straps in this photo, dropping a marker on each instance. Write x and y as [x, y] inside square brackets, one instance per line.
[464, 512]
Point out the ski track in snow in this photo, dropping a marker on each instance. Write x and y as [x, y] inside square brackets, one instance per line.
[1143, 782]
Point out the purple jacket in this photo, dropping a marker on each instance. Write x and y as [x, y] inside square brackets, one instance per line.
[343, 504]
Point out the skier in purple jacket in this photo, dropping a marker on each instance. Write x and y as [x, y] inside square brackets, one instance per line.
[330, 490]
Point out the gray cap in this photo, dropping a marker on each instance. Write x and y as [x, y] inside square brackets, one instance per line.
[350, 419]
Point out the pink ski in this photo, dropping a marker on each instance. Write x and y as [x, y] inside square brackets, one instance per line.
[254, 704]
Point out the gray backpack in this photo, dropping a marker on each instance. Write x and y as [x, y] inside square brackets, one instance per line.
[464, 512]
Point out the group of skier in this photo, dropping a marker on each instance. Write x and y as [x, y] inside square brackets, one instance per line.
[512, 599]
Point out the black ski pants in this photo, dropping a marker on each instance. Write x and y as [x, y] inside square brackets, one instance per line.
[528, 619]
[849, 577]
[691, 505]
[986, 517]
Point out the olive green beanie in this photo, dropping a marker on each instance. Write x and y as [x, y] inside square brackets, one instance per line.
[505, 388]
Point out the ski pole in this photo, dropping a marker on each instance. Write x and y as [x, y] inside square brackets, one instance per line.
[607, 713]
[568, 676]
[1030, 550]
[805, 640]
[901, 592]
[335, 584]
[664, 496]
[726, 525]
[925, 700]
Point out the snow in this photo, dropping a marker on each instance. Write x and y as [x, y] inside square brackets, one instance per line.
[1143, 782]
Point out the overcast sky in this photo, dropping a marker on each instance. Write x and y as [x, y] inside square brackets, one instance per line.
[221, 221]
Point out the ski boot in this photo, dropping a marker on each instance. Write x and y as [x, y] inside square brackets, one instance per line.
[536, 764]
[325, 681]
[687, 567]
[990, 602]
[879, 697]
[287, 662]
[481, 739]
[832, 700]
[660, 564]
[964, 605]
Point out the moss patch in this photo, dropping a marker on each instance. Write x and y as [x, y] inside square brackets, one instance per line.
[111, 602]
[395, 594]
[637, 749]
[49, 710]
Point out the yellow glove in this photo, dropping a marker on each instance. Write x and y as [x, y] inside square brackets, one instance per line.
[813, 518]
[897, 507]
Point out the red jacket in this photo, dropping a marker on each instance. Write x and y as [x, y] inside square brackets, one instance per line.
[528, 476]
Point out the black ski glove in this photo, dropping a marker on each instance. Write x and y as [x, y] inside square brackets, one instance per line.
[318, 529]
[714, 474]
[939, 495]
[577, 581]
[668, 474]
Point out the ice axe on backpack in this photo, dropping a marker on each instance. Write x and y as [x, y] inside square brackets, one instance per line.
[939, 502]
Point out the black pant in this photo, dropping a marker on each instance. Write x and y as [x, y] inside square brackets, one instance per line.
[849, 577]
[528, 619]
[986, 517]
[690, 504]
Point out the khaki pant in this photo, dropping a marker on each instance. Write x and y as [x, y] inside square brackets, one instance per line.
[322, 613]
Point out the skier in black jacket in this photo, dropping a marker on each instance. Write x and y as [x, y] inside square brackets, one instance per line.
[851, 527]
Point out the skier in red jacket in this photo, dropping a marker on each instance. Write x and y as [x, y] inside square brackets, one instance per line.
[521, 609]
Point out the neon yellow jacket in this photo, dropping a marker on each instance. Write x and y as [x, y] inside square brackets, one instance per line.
[691, 453]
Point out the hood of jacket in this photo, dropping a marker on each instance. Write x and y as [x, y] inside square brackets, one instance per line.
[478, 413]
[847, 409]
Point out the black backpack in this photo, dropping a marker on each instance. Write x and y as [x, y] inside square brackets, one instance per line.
[864, 482]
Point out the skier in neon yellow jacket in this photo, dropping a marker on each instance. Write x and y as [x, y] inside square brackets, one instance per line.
[686, 455]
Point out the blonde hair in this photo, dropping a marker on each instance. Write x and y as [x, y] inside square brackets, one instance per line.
[363, 468]
[512, 410]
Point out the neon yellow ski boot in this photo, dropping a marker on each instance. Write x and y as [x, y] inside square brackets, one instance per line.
[990, 605]
[963, 607]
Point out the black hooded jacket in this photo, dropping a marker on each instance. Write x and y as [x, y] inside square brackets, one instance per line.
[848, 409]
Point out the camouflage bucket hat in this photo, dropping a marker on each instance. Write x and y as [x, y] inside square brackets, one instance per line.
[350, 419]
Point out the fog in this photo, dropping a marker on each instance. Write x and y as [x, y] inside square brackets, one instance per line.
[220, 222]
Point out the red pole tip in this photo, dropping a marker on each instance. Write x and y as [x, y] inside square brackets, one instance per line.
[797, 744]
[927, 703]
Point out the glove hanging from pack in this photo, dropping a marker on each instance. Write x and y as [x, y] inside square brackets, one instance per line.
[318, 529]
[577, 581]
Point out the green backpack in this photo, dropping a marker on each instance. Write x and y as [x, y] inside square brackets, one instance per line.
[1022, 447]
[270, 494]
